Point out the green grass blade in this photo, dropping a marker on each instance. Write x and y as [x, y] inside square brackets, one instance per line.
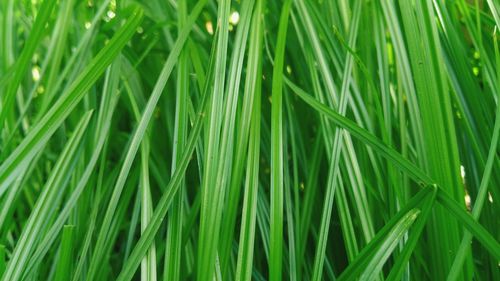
[148, 265]
[440, 144]
[276, 219]
[173, 248]
[235, 135]
[410, 244]
[63, 270]
[359, 264]
[3, 265]
[364, 135]
[390, 242]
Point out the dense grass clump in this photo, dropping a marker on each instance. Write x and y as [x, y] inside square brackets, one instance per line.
[249, 140]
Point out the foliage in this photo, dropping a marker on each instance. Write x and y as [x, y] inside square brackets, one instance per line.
[249, 140]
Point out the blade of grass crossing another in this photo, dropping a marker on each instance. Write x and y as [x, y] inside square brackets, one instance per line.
[108, 103]
[374, 267]
[212, 189]
[51, 62]
[406, 166]
[234, 135]
[334, 168]
[247, 234]
[369, 142]
[480, 199]
[43, 130]
[147, 237]
[362, 134]
[49, 197]
[414, 235]
[138, 136]
[148, 264]
[470, 224]
[358, 266]
[438, 128]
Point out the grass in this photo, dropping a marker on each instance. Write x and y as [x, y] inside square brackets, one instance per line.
[249, 140]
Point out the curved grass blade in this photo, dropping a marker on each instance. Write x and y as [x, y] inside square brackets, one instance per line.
[362, 134]
[405, 165]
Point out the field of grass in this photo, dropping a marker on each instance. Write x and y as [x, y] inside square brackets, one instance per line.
[249, 140]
